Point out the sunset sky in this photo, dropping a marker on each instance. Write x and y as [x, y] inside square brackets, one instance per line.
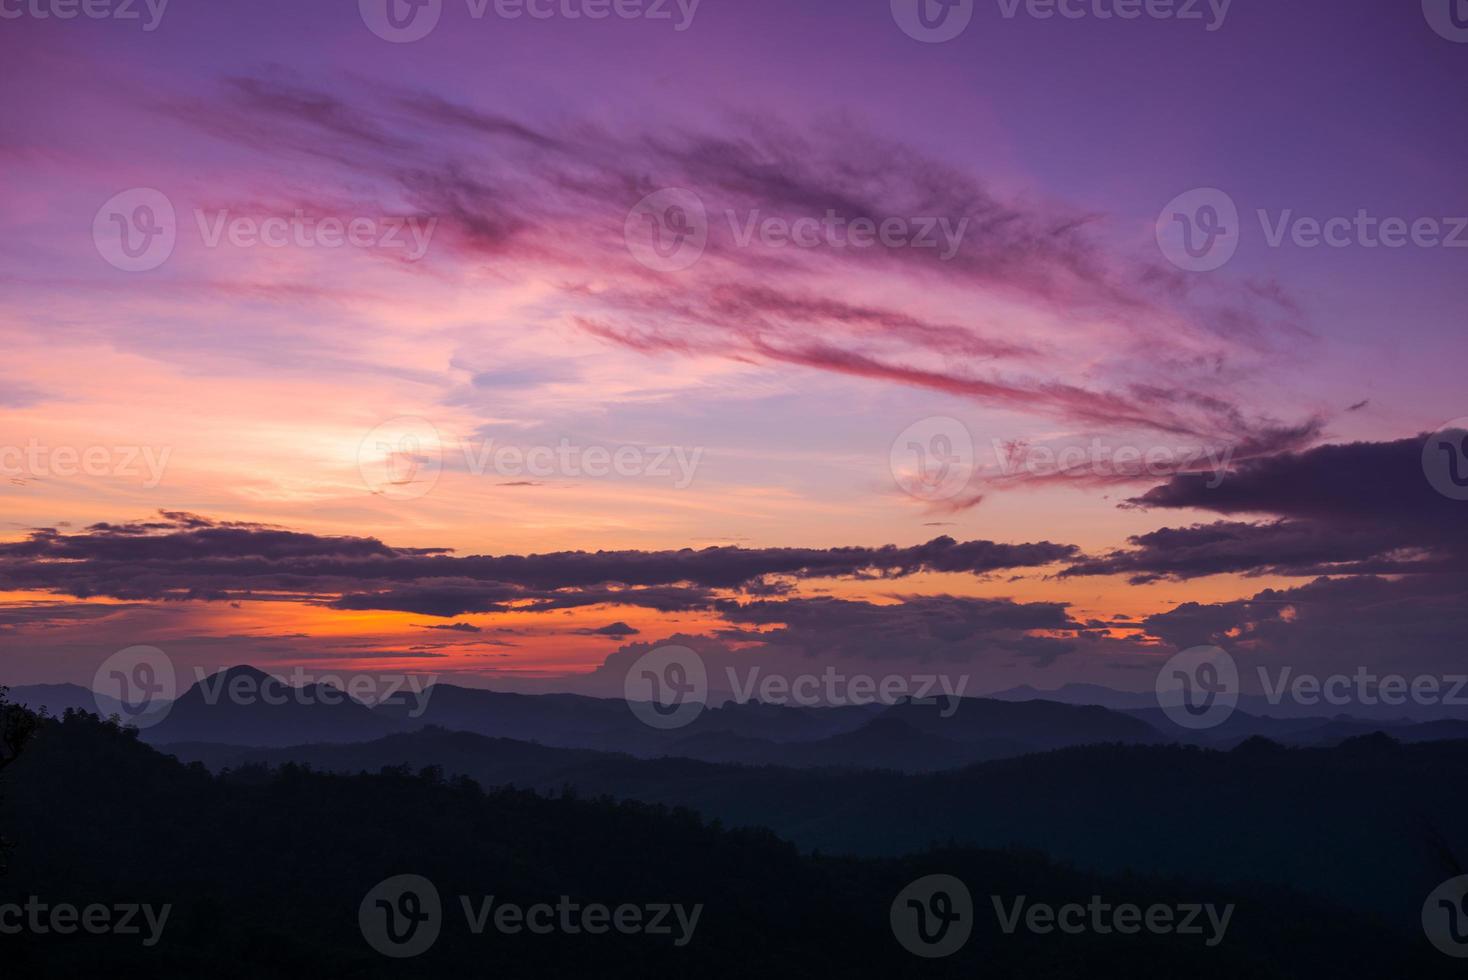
[253, 498]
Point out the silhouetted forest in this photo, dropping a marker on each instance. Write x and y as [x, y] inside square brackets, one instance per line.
[265, 870]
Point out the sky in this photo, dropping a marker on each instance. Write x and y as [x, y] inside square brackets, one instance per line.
[786, 330]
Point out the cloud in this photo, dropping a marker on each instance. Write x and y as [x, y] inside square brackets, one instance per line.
[554, 203]
[1350, 509]
[185, 556]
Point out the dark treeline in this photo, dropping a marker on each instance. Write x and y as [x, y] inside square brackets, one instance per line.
[265, 870]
